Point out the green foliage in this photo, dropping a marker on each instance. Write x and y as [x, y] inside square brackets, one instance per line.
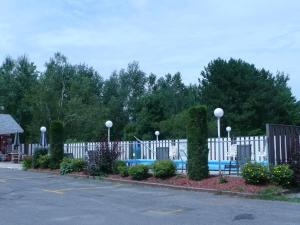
[116, 165]
[71, 165]
[123, 170]
[43, 161]
[140, 103]
[282, 175]
[36, 155]
[138, 172]
[222, 180]
[197, 143]
[78, 165]
[27, 163]
[226, 84]
[164, 169]
[56, 144]
[255, 173]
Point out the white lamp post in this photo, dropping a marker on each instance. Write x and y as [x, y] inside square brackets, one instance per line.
[108, 124]
[43, 131]
[157, 134]
[228, 129]
[218, 112]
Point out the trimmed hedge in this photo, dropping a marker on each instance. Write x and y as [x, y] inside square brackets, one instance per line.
[56, 144]
[139, 172]
[197, 129]
[164, 169]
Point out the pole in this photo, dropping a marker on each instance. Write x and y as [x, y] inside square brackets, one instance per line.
[157, 138]
[43, 139]
[108, 135]
[219, 145]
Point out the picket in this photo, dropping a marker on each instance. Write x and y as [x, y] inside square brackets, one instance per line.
[177, 149]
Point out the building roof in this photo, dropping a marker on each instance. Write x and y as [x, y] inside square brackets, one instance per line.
[8, 125]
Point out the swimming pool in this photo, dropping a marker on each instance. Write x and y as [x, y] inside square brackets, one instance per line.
[213, 165]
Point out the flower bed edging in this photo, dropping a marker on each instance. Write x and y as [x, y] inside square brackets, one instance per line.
[215, 191]
[144, 183]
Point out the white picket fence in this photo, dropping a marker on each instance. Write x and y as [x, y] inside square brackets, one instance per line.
[173, 149]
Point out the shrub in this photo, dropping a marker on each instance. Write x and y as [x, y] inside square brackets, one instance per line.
[37, 153]
[43, 161]
[282, 175]
[222, 180]
[164, 169]
[65, 167]
[71, 165]
[56, 144]
[27, 162]
[197, 162]
[116, 165]
[123, 170]
[255, 173]
[138, 172]
[78, 165]
[102, 159]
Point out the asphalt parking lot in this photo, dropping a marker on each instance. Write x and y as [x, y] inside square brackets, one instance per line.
[29, 198]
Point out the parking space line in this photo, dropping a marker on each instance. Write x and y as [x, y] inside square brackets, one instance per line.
[165, 212]
[22, 178]
[63, 190]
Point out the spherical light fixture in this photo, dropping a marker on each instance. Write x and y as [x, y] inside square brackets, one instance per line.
[228, 129]
[108, 124]
[218, 112]
[43, 129]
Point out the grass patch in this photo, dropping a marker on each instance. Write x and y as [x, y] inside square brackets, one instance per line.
[276, 194]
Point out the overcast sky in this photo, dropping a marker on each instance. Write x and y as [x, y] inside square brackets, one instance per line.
[163, 36]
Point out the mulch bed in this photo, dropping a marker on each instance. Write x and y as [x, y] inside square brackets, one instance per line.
[234, 184]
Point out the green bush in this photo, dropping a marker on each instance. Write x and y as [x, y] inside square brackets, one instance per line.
[164, 169]
[27, 162]
[43, 161]
[138, 172]
[116, 165]
[78, 165]
[69, 165]
[282, 175]
[197, 129]
[255, 173]
[37, 153]
[65, 167]
[56, 144]
[123, 170]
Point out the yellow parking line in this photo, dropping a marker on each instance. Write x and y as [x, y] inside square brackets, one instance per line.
[20, 178]
[63, 190]
[165, 212]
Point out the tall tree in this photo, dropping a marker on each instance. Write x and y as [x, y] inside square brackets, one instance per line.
[250, 97]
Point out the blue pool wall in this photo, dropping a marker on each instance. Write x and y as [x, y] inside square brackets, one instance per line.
[213, 165]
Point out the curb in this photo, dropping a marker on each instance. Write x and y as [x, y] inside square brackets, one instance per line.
[214, 191]
[159, 185]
